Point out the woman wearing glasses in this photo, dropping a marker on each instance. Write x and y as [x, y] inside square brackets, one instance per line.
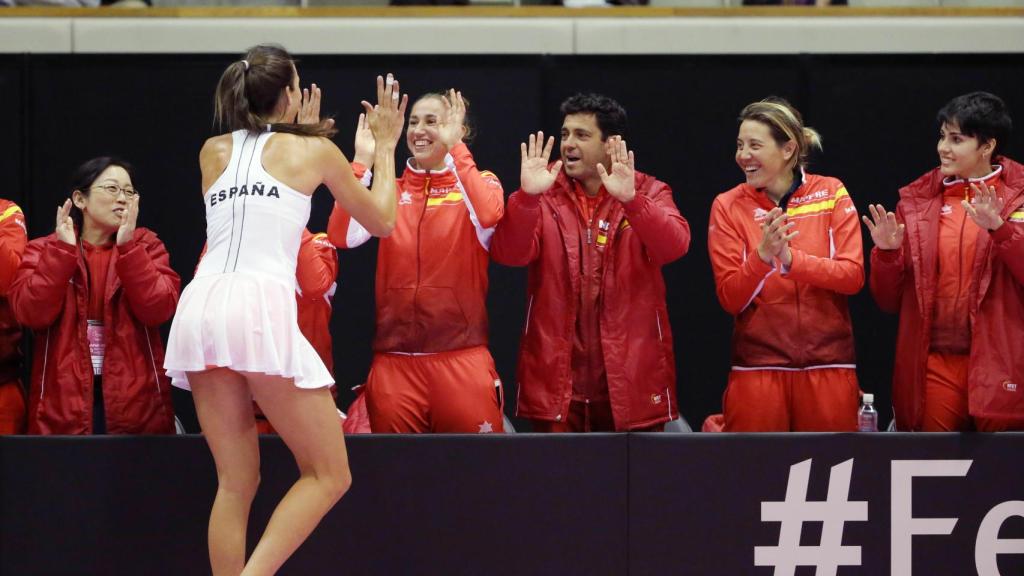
[97, 279]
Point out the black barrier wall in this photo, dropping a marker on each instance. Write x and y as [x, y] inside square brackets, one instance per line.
[540, 505]
[876, 114]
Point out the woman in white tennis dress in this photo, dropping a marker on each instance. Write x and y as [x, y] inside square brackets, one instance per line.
[235, 335]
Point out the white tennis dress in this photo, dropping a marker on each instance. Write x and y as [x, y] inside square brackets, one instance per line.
[240, 311]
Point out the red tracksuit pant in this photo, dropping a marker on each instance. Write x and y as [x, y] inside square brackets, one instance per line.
[820, 400]
[456, 392]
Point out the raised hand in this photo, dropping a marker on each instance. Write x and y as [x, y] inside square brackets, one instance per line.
[65, 225]
[387, 118]
[364, 144]
[452, 127]
[620, 182]
[309, 109]
[986, 207]
[534, 175]
[775, 237]
[128, 219]
[886, 232]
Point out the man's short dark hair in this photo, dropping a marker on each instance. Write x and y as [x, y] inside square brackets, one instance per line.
[610, 115]
[981, 115]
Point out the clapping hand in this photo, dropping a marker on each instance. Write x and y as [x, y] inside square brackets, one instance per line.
[775, 237]
[986, 207]
[452, 127]
[309, 109]
[65, 225]
[534, 175]
[620, 182]
[387, 118]
[886, 232]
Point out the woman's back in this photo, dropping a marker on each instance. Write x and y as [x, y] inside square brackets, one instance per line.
[254, 221]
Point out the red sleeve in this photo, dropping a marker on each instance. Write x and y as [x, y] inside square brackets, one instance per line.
[654, 217]
[342, 230]
[484, 190]
[1008, 247]
[317, 268]
[150, 285]
[39, 287]
[516, 240]
[844, 271]
[13, 239]
[738, 275]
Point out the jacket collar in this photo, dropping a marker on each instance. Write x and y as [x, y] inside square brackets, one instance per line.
[417, 178]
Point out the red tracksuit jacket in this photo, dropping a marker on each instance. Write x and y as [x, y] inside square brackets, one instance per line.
[545, 233]
[13, 239]
[904, 281]
[432, 270]
[50, 296]
[797, 318]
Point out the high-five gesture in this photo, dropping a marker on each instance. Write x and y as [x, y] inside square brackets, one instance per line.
[309, 109]
[886, 232]
[65, 225]
[387, 118]
[534, 175]
[452, 126]
[620, 182]
[775, 237]
[986, 207]
[128, 219]
[365, 145]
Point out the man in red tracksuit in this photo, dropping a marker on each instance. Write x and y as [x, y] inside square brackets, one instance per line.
[13, 239]
[431, 369]
[950, 261]
[596, 351]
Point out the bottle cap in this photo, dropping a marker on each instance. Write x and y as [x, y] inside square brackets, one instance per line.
[869, 398]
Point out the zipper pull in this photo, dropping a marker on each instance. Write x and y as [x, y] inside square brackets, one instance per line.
[590, 239]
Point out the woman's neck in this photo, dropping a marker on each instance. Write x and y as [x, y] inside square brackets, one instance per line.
[782, 184]
[980, 171]
[96, 236]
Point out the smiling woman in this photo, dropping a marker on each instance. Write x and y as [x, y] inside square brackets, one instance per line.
[786, 252]
[432, 371]
[955, 245]
[97, 278]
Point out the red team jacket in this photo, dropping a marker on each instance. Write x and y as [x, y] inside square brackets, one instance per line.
[545, 233]
[316, 272]
[50, 296]
[13, 239]
[904, 281]
[431, 283]
[795, 318]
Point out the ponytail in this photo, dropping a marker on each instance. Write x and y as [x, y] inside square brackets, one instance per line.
[249, 89]
[786, 125]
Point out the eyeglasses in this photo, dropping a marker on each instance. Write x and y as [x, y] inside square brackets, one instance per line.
[113, 190]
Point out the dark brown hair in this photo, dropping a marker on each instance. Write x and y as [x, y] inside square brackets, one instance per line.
[981, 115]
[85, 175]
[249, 89]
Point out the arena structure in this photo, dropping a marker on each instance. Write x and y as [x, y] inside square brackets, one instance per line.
[137, 82]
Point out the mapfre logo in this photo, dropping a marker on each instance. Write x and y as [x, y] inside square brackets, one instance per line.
[1009, 386]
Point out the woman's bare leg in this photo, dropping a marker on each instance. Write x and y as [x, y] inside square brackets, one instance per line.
[224, 406]
[308, 422]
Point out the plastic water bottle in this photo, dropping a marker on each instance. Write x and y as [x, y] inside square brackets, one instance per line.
[867, 416]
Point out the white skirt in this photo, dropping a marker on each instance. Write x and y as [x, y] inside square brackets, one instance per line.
[243, 322]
